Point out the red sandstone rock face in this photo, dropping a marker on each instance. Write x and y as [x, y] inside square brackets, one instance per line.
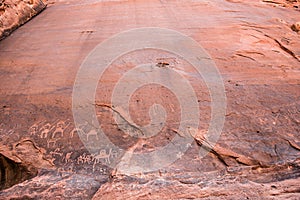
[14, 13]
[253, 46]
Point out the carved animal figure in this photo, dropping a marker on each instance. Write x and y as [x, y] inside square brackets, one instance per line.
[56, 152]
[76, 131]
[33, 129]
[92, 133]
[45, 130]
[60, 128]
[103, 155]
[73, 132]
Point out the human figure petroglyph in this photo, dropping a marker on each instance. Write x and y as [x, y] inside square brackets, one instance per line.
[88, 159]
[68, 157]
[91, 158]
[82, 159]
[60, 128]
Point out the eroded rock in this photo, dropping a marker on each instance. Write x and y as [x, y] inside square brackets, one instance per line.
[296, 27]
[14, 13]
[13, 173]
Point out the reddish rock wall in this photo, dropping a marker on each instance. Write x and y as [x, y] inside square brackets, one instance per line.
[256, 51]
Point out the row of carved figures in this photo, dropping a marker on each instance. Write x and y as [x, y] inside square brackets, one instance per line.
[58, 130]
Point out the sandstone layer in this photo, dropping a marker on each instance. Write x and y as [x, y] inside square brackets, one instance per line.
[14, 13]
[256, 50]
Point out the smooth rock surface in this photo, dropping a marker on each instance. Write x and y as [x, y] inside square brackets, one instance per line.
[253, 46]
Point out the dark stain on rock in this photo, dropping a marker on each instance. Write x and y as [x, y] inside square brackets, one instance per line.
[12, 173]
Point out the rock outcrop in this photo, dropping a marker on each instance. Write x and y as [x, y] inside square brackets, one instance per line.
[296, 27]
[14, 13]
[44, 155]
